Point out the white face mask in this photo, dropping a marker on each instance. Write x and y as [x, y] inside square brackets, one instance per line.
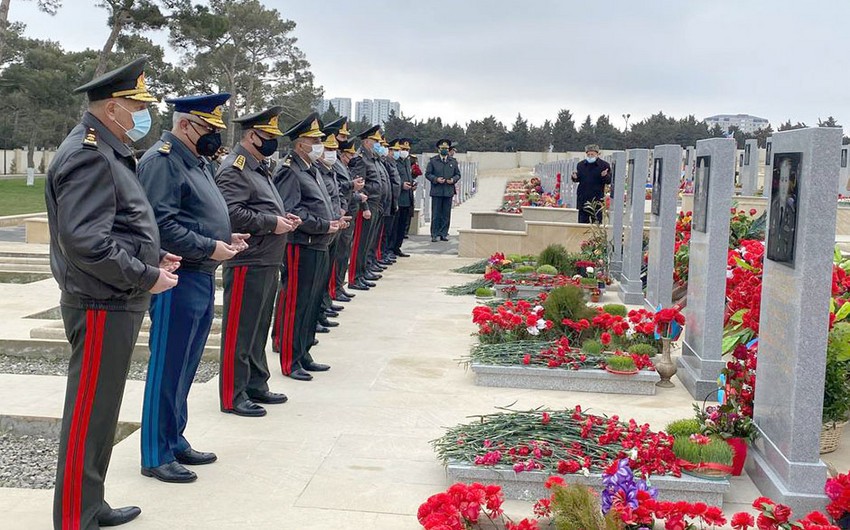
[316, 152]
[404, 154]
[329, 157]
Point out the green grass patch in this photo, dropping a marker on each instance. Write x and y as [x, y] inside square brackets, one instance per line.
[17, 198]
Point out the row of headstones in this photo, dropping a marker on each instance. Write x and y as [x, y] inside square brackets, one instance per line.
[548, 174]
[804, 163]
[466, 188]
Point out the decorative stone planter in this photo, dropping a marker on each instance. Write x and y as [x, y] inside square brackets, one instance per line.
[584, 380]
[529, 485]
[522, 291]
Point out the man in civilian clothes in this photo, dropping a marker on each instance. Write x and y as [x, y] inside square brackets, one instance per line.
[305, 195]
[442, 173]
[105, 256]
[592, 174]
[251, 278]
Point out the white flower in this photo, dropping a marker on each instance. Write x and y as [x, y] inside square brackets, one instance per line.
[537, 308]
[633, 454]
[728, 274]
[585, 472]
[541, 324]
[630, 332]
[532, 330]
[590, 270]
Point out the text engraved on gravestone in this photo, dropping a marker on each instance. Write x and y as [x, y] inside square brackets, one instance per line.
[785, 189]
[701, 183]
[658, 165]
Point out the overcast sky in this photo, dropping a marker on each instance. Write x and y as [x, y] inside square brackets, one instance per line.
[462, 60]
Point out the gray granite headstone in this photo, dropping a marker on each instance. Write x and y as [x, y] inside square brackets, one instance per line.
[690, 164]
[665, 173]
[844, 173]
[701, 362]
[637, 167]
[618, 196]
[572, 191]
[768, 165]
[785, 462]
[750, 170]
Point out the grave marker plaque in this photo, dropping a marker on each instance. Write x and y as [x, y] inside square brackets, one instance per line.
[701, 184]
[784, 191]
[637, 168]
[657, 174]
[662, 227]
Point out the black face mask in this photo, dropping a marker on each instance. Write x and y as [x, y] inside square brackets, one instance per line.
[266, 147]
[209, 143]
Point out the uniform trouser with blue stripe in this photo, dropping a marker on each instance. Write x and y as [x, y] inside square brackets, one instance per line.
[180, 324]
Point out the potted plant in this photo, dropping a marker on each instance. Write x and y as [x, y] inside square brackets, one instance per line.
[836, 388]
[484, 294]
[728, 422]
[683, 427]
[592, 347]
[620, 365]
[588, 283]
[703, 456]
[595, 295]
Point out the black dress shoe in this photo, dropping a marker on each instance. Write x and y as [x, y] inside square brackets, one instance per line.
[328, 323]
[316, 367]
[371, 276]
[386, 263]
[402, 254]
[443, 238]
[171, 472]
[331, 313]
[118, 516]
[433, 240]
[269, 398]
[301, 375]
[337, 307]
[315, 342]
[248, 409]
[369, 284]
[342, 298]
[190, 457]
[358, 286]
[343, 292]
[322, 329]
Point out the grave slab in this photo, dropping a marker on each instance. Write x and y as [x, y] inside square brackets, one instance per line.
[584, 380]
[637, 168]
[666, 173]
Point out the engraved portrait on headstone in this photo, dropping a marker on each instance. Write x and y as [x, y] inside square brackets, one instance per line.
[768, 152]
[658, 163]
[747, 155]
[844, 157]
[701, 183]
[613, 174]
[630, 180]
[785, 187]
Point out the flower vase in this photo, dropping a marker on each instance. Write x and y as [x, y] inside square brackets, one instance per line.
[739, 448]
[666, 368]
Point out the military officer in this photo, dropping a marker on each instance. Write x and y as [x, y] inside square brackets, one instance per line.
[405, 197]
[305, 195]
[368, 166]
[443, 173]
[177, 176]
[387, 257]
[356, 203]
[251, 277]
[373, 257]
[105, 256]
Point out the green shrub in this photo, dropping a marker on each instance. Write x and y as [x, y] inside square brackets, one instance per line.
[591, 282]
[643, 349]
[683, 427]
[484, 292]
[566, 302]
[577, 506]
[620, 363]
[557, 256]
[718, 452]
[592, 347]
[524, 269]
[836, 389]
[547, 269]
[514, 258]
[615, 309]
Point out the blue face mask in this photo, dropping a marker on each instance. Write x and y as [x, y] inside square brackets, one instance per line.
[141, 124]
[376, 148]
[396, 155]
[591, 159]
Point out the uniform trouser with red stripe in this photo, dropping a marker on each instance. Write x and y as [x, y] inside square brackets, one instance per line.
[249, 292]
[330, 280]
[102, 345]
[364, 229]
[375, 236]
[342, 259]
[299, 303]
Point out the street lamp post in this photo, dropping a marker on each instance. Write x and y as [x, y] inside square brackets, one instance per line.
[626, 118]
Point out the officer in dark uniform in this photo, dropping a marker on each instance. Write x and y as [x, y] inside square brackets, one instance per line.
[178, 178]
[251, 277]
[443, 173]
[387, 245]
[374, 262]
[592, 174]
[356, 202]
[349, 201]
[368, 166]
[327, 169]
[105, 256]
[305, 279]
[405, 197]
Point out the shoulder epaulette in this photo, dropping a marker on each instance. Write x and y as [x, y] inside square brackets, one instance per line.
[165, 149]
[287, 160]
[90, 138]
[239, 162]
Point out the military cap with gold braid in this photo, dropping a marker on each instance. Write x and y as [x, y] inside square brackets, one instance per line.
[338, 127]
[347, 146]
[444, 144]
[405, 143]
[330, 142]
[126, 82]
[208, 107]
[266, 121]
[309, 127]
[372, 133]
[384, 141]
[395, 145]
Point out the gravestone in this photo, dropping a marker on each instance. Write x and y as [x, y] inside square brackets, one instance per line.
[701, 362]
[572, 190]
[768, 165]
[784, 462]
[618, 196]
[690, 167]
[666, 170]
[750, 169]
[637, 167]
[844, 173]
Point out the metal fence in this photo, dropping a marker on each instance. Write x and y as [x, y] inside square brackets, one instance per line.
[548, 175]
[464, 189]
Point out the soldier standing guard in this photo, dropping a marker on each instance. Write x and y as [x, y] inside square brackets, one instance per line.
[105, 256]
[251, 278]
[304, 279]
[442, 173]
[192, 217]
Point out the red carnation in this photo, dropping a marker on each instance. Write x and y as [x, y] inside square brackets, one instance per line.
[742, 521]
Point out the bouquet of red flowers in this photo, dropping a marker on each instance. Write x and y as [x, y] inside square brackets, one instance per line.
[669, 322]
[838, 491]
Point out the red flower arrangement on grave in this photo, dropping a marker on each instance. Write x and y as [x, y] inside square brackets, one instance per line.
[520, 193]
[775, 516]
[681, 247]
[838, 490]
[664, 320]
[510, 321]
